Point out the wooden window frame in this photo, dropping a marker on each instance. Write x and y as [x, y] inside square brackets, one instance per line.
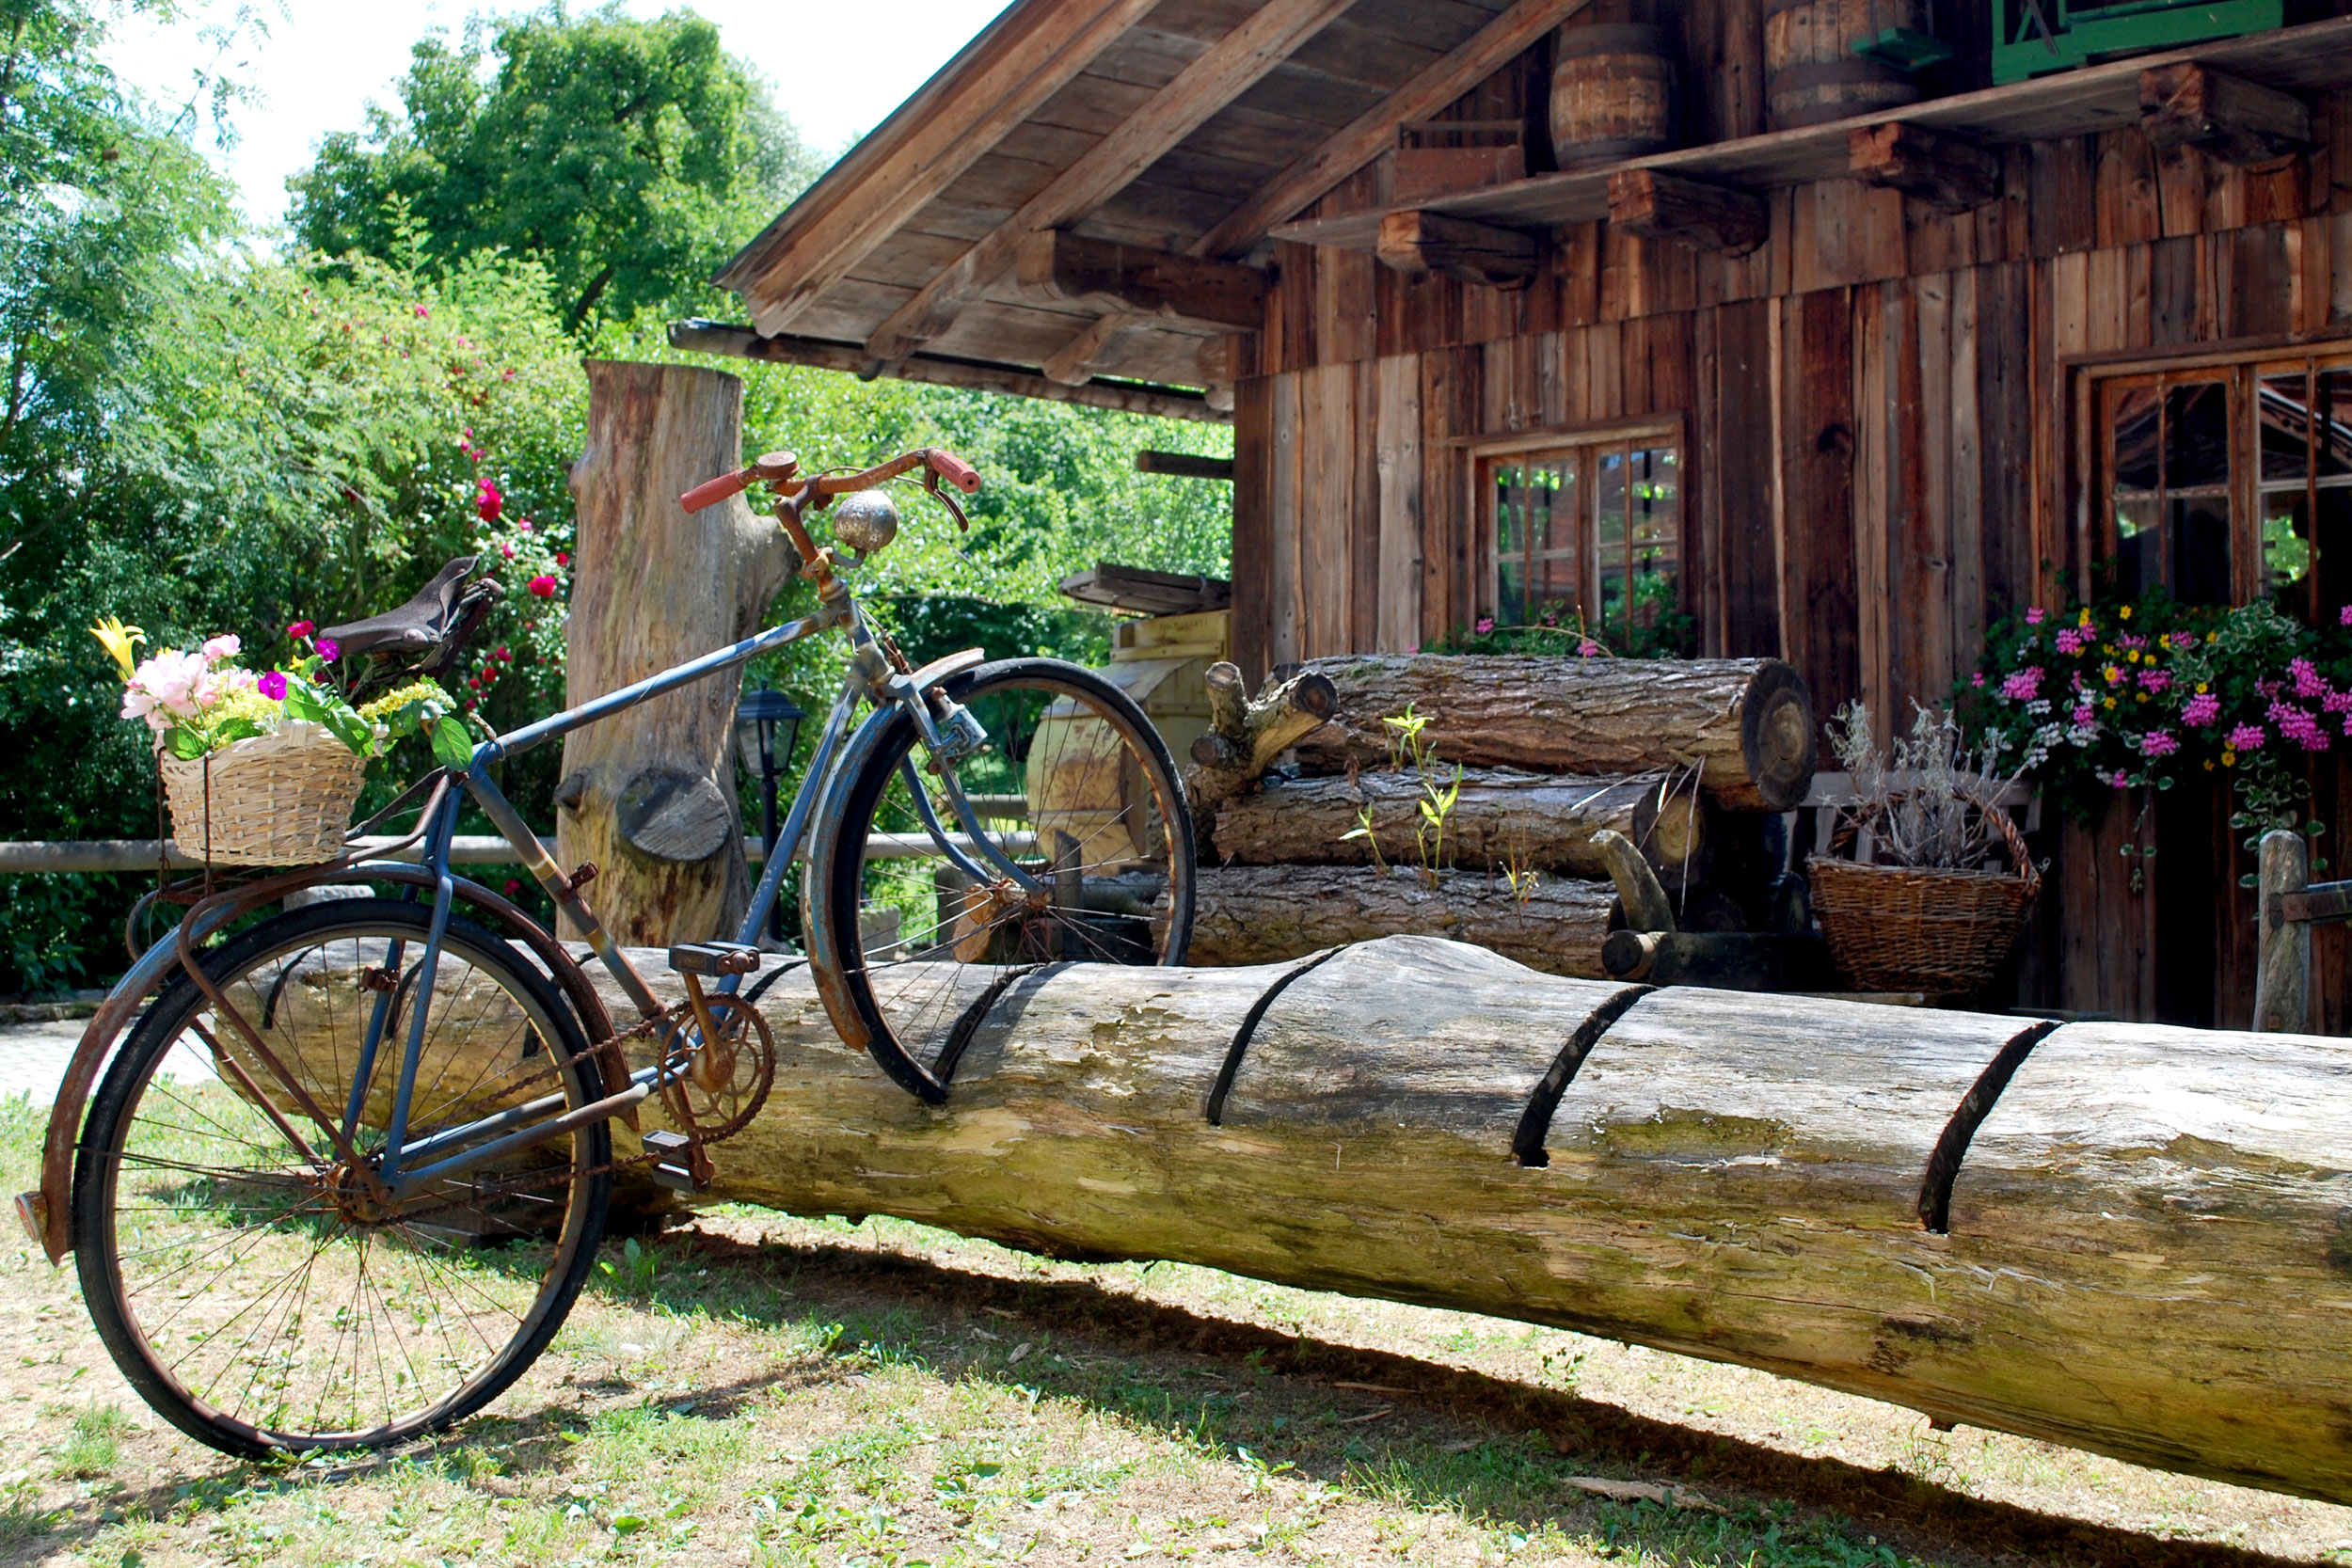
[2241, 368]
[1482, 451]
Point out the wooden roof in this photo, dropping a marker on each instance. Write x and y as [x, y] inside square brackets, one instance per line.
[1183, 126]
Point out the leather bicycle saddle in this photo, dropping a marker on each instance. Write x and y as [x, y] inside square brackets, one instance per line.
[430, 622]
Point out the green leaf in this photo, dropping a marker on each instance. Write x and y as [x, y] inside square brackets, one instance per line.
[450, 747]
[184, 744]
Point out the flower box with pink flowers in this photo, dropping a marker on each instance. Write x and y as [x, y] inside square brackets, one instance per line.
[261, 767]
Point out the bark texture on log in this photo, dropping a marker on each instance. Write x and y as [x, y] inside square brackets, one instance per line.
[1246, 734]
[649, 795]
[2147, 1252]
[2147, 1256]
[1748, 721]
[1543, 822]
[1254, 914]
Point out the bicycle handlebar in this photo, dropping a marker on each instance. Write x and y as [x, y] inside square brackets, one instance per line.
[777, 467]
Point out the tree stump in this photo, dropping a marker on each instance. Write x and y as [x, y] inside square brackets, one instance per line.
[648, 795]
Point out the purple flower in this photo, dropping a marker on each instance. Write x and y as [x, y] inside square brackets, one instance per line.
[272, 685]
[2204, 708]
[2246, 737]
[2033, 616]
[2307, 681]
[2343, 616]
[328, 650]
[2156, 680]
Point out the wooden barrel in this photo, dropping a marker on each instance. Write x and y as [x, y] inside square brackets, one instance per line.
[1811, 72]
[1613, 94]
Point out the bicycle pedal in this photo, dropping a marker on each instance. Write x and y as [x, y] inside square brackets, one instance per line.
[715, 958]
[683, 1165]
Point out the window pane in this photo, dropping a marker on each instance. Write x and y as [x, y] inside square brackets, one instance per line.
[2139, 546]
[2137, 432]
[1533, 517]
[2332, 408]
[2331, 542]
[2200, 526]
[1655, 519]
[2197, 436]
[2286, 426]
[2287, 559]
[1610, 546]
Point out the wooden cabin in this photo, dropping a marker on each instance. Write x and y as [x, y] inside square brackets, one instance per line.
[1847, 326]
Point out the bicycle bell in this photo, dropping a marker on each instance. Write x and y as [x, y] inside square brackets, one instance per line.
[866, 521]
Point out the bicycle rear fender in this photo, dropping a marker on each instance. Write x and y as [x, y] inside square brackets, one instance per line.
[46, 1213]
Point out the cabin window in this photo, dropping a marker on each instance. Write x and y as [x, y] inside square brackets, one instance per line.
[2225, 481]
[1589, 529]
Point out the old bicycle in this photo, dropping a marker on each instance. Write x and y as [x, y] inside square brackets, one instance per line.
[348, 1170]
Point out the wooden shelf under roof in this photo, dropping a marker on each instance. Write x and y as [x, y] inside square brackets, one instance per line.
[2316, 57]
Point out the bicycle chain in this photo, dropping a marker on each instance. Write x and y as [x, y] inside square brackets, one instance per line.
[475, 1198]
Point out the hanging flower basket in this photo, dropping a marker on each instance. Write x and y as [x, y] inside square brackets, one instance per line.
[281, 798]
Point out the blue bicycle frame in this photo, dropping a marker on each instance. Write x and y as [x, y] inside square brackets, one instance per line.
[453, 1151]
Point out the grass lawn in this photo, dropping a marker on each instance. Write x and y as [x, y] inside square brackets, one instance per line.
[760, 1388]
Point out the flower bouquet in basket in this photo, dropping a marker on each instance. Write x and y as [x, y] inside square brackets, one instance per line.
[261, 767]
[1925, 903]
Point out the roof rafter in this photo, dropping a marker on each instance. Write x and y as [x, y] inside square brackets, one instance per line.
[999, 80]
[1374, 132]
[1228, 69]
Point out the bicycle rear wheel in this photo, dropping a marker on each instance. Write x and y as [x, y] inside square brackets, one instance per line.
[247, 1286]
[1076, 787]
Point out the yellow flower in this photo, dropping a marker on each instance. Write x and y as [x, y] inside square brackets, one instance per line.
[2125, 611]
[2213, 637]
[2110, 702]
[2209, 764]
[2143, 696]
[2200, 685]
[2084, 620]
[2229, 759]
[2113, 674]
[2135, 656]
[118, 640]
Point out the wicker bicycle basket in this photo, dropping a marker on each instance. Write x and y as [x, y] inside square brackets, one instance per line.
[282, 799]
[1945, 933]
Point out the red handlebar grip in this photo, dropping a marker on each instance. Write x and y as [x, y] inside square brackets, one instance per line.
[710, 492]
[954, 470]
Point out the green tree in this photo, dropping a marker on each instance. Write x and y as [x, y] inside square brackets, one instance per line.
[627, 157]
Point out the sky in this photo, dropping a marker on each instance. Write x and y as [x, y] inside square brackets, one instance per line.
[314, 64]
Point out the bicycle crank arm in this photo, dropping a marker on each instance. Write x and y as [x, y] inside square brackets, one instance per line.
[408, 1182]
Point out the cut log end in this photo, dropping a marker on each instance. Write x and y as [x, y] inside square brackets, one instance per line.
[1776, 736]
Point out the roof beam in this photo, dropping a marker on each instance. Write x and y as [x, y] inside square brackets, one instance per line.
[1223, 74]
[1221, 297]
[1944, 171]
[1003, 77]
[743, 343]
[2226, 118]
[1074, 364]
[1353, 145]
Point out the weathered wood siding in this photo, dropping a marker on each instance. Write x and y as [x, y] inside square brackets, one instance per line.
[1878, 451]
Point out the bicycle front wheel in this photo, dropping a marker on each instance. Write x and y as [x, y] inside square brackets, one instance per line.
[237, 1266]
[1076, 787]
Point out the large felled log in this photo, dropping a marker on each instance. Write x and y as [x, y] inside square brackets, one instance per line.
[1250, 914]
[1537, 821]
[1747, 723]
[2141, 1252]
[649, 795]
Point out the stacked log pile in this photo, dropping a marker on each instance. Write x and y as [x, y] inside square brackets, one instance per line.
[1585, 795]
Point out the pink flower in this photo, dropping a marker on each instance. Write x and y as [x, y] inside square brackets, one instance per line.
[506, 550]
[1587, 649]
[2343, 616]
[524, 525]
[2070, 639]
[2160, 743]
[504, 656]
[488, 499]
[2025, 686]
[543, 586]
[1976, 680]
[273, 685]
[1486, 625]
[2246, 737]
[171, 682]
[2307, 681]
[422, 311]
[224, 647]
[328, 650]
[2033, 616]
[2155, 680]
[300, 628]
[2204, 708]
[564, 559]
[513, 886]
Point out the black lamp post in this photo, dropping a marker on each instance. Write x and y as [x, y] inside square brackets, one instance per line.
[767, 726]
